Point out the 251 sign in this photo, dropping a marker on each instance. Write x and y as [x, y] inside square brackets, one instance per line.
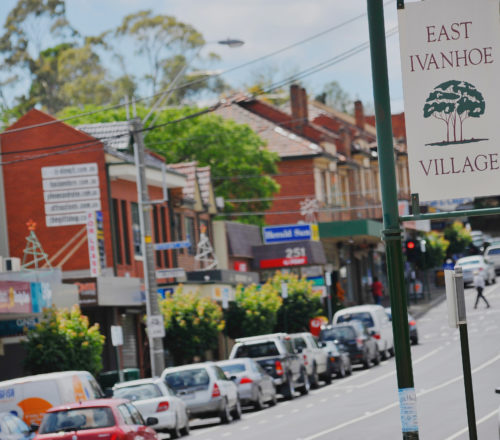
[295, 252]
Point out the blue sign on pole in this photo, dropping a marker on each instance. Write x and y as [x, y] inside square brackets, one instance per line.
[284, 233]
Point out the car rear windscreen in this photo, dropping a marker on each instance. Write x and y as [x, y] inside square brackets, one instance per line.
[138, 392]
[233, 368]
[197, 377]
[77, 419]
[495, 251]
[366, 317]
[339, 333]
[262, 349]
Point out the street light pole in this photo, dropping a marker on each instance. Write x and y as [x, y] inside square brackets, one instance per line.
[156, 352]
[392, 230]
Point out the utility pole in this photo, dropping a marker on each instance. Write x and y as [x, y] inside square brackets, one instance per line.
[392, 230]
[156, 352]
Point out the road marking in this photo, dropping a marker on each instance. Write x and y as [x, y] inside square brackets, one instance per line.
[261, 422]
[309, 405]
[245, 428]
[227, 434]
[323, 400]
[464, 430]
[341, 384]
[395, 404]
[279, 416]
[295, 410]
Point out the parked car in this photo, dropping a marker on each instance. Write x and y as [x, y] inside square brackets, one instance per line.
[276, 354]
[476, 263]
[255, 385]
[356, 338]
[93, 419]
[13, 428]
[205, 389]
[153, 398]
[412, 326]
[375, 318]
[492, 255]
[315, 359]
[339, 359]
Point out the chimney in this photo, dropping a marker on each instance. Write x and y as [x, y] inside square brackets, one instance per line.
[296, 105]
[305, 110]
[359, 115]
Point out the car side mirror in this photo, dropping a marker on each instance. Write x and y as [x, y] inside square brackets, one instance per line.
[298, 350]
[151, 421]
[34, 427]
[373, 332]
[497, 391]
[321, 344]
[233, 378]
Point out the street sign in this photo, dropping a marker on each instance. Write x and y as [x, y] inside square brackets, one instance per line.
[116, 335]
[176, 272]
[284, 233]
[172, 245]
[450, 82]
[284, 290]
[156, 327]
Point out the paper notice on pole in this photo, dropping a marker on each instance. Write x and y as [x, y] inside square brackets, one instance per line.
[450, 68]
[408, 409]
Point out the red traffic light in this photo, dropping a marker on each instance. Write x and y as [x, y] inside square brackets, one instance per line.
[410, 245]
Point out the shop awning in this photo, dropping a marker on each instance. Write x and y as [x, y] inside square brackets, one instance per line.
[363, 230]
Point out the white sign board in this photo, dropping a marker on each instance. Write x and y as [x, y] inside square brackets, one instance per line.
[450, 63]
[116, 335]
[94, 263]
[69, 191]
[156, 328]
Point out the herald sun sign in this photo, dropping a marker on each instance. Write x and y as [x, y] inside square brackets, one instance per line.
[451, 64]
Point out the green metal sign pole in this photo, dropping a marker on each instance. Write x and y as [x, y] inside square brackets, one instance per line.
[392, 230]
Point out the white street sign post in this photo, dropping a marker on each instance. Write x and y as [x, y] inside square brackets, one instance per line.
[116, 341]
[156, 327]
[450, 65]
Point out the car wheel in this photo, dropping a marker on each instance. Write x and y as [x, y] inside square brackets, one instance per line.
[366, 361]
[175, 432]
[391, 351]
[236, 412]
[225, 415]
[349, 370]
[385, 353]
[314, 380]
[327, 377]
[376, 360]
[259, 403]
[288, 389]
[304, 389]
[414, 340]
[274, 399]
[342, 372]
[186, 430]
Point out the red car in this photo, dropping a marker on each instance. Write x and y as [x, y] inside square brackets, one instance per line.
[104, 419]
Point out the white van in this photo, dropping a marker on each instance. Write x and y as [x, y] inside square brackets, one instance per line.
[31, 396]
[375, 318]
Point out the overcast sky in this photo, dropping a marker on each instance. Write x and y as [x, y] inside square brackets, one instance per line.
[265, 26]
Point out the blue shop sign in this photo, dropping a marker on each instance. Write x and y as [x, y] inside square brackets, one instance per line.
[284, 233]
[15, 327]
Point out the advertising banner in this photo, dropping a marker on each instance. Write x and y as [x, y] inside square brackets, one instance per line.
[450, 64]
[15, 297]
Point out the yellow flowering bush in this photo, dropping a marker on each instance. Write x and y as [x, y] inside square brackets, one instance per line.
[63, 340]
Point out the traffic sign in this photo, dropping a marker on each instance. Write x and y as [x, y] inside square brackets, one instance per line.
[116, 335]
[156, 327]
[172, 245]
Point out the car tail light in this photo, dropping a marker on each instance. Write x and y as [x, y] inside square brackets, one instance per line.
[332, 359]
[481, 269]
[376, 335]
[279, 368]
[306, 362]
[117, 435]
[359, 342]
[216, 391]
[162, 406]
[412, 323]
[246, 380]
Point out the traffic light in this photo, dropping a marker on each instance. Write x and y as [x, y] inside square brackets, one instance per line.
[412, 250]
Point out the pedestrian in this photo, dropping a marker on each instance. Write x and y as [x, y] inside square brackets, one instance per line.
[377, 291]
[479, 285]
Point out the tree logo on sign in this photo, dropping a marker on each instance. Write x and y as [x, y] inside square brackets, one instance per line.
[453, 102]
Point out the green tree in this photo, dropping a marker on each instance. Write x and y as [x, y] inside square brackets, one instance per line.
[192, 325]
[301, 305]
[458, 237]
[63, 340]
[254, 311]
[240, 164]
[334, 96]
[435, 250]
[453, 102]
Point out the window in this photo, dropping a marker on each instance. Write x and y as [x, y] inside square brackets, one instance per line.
[136, 229]
[219, 374]
[233, 368]
[127, 417]
[125, 232]
[136, 415]
[365, 317]
[163, 228]
[156, 232]
[77, 419]
[257, 350]
[190, 234]
[138, 392]
[178, 230]
[188, 378]
[299, 343]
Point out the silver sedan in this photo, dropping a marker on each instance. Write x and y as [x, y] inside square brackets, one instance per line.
[255, 385]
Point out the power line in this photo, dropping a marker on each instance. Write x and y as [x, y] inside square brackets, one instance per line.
[198, 81]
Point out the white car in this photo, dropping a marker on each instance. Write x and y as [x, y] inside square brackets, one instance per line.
[205, 389]
[315, 358]
[477, 262]
[155, 399]
[377, 322]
